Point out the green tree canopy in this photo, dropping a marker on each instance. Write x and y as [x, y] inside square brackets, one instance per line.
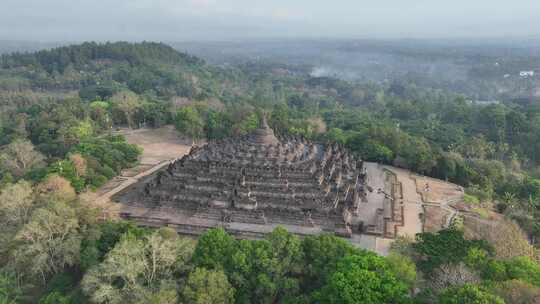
[363, 278]
[321, 256]
[189, 122]
[444, 247]
[207, 287]
[468, 294]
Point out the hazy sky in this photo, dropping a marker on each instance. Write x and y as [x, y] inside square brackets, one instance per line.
[75, 20]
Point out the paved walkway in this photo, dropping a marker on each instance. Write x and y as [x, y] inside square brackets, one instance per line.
[128, 181]
[412, 203]
[375, 199]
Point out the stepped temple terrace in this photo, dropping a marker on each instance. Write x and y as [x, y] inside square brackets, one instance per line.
[251, 185]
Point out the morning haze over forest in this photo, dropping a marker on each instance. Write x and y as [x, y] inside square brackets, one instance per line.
[209, 151]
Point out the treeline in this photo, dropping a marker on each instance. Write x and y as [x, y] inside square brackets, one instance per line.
[102, 69]
[56, 252]
[67, 138]
[58, 59]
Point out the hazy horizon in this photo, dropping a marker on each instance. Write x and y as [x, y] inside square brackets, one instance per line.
[215, 20]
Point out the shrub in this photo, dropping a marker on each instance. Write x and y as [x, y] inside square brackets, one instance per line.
[523, 268]
[516, 291]
[445, 247]
[468, 294]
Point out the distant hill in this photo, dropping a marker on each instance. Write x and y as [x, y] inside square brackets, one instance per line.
[58, 59]
[146, 67]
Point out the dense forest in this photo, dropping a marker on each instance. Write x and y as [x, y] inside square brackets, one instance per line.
[58, 109]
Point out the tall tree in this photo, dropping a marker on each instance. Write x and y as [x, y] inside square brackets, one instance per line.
[125, 105]
[207, 287]
[189, 122]
[16, 203]
[55, 188]
[49, 242]
[285, 262]
[363, 279]
[19, 157]
[138, 268]
[322, 254]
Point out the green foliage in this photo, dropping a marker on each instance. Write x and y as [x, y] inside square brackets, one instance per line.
[6, 179]
[260, 271]
[532, 188]
[218, 125]
[336, 135]
[418, 155]
[125, 107]
[9, 290]
[154, 114]
[518, 268]
[215, 250]
[189, 122]
[207, 287]
[481, 194]
[49, 242]
[322, 254]
[19, 158]
[263, 271]
[103, 238]
[99, 105]
[81, 131]
[137, 269]
[523, 268]
[445, 247]
[66, 169]
[363, 278]
[100, 155]
[403, 268]
[55, 298]
[516, 291]
[93, 92]
[59, 59]
[488, 267]
[16, 204]
[61, 283]
[279, 119]
[468, 294]
[248, 124]
[279, 263]
[471, 199]
[111, 151]
[493, 270]
[371, 150]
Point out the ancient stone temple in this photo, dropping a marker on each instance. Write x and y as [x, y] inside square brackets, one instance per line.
[252, 184]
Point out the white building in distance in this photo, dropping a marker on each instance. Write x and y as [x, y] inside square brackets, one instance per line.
[526, 73]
